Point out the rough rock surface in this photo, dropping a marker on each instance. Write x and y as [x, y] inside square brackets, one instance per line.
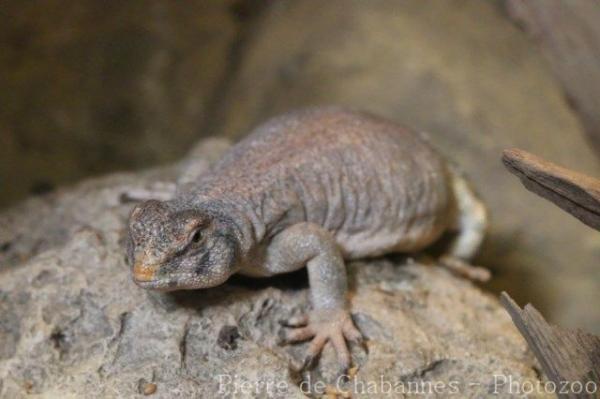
[462, 72]
[72, 323]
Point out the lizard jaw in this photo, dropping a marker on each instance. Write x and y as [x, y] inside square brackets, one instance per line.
[158, 285]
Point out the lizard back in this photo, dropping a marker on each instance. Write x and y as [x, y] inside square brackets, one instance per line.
[375, 186]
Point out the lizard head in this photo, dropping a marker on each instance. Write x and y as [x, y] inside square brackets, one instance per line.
[172, 249]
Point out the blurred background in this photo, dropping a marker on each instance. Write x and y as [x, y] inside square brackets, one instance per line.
[90, 87]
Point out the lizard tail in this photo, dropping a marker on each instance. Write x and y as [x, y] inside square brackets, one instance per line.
[471, 220]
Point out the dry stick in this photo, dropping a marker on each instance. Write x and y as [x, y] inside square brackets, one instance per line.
[565, 355]
[574, 192]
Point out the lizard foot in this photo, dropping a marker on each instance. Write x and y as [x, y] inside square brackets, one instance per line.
[323, 326]
[462, 268]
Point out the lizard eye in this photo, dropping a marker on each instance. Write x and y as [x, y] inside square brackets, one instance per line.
[197, 236]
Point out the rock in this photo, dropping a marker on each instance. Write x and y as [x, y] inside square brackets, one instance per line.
[460, 71]
[73, 324]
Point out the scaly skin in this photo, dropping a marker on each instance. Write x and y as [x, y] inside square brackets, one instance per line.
[307, 189]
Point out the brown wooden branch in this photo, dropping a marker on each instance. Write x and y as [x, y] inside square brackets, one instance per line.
[574, 192]
[565, 355]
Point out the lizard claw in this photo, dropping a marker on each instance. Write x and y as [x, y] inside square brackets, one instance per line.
[281, 338]
[462, 268]
[324, 326]
[308, 363]
[362, 343]
[343, 376]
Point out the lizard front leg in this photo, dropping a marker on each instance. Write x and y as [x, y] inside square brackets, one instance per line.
[329, 321]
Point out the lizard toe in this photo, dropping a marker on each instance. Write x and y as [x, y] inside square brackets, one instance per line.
[296, 335]
[341, 349]
[295, 321]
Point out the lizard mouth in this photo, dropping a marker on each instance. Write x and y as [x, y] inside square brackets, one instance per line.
[145, 276]
[143, 272]
[156, 284]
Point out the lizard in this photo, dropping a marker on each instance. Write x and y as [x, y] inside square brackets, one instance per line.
[311, 188]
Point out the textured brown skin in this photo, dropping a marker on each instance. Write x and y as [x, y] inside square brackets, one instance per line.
[309, 188]
[376, 187]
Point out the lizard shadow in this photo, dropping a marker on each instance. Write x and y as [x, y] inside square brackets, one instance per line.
[238, 288]
[241, 288]
[295, 280]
